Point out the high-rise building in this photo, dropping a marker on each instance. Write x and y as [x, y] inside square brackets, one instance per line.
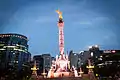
[84, 56]
[13, 51]
[73, 57]
[39, 63]
[94, 51]
[108, 63]
[47, 61]
[78, 58]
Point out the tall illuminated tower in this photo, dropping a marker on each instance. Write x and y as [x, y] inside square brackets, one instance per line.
[60, 67]
[61, 33]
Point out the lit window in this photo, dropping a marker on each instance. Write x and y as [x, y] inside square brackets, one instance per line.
[16, 61]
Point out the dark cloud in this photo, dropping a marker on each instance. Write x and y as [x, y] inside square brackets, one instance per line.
[7, 10]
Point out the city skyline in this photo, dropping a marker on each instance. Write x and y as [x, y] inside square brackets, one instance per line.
[87, 22]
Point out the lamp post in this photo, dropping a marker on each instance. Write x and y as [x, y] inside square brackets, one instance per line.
[44, 74]
[90, 67]
[81, 72]
[34, 69]
[90, 70]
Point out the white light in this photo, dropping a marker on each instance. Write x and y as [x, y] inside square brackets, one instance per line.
[2, 49]
[74, 54]
[110, 61]
[10, 46]
[91, 53]
[81, 51]
[96, 45]
[16, 61]
[81, 63]
[101, 56]
[90, 47]
[100, 64]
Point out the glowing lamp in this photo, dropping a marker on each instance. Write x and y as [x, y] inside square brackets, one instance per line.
[89, 67]
[113, 51]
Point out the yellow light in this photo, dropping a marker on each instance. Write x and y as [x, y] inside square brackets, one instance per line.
[34, 69]
[96, 74]
[90, 67]
[81, 72]
[60, 14]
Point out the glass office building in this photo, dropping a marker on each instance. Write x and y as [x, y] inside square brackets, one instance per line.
[13, 51]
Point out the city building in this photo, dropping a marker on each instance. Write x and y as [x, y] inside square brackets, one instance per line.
[52, 58]
[94, 51]
[39, 63]
[78, 58]
[73, 58]
[13, 51]
[108, 63]
[46, 61]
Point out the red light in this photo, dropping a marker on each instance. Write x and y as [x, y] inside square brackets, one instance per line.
[113, 51]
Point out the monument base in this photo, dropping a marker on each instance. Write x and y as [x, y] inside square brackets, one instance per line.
[84, 77]
[63, 78]
[61, 74]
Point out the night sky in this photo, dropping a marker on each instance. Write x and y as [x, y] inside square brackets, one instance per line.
[87, 22]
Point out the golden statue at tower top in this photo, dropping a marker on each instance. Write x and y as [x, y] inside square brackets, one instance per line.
[59, 13]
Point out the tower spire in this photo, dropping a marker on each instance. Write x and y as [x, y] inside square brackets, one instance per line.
[61, 33]
[61, 65]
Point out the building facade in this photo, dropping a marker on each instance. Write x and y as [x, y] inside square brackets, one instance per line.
[39, 63]
[108, 63]
[47, 61]
[13, 51]
[73, 58]
[78, 58]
